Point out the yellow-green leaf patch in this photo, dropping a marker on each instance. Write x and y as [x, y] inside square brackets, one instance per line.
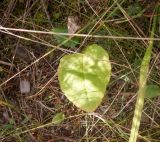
[84, 76]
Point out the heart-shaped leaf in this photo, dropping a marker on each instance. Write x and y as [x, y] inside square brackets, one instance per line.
[84, 76]
[152, 91]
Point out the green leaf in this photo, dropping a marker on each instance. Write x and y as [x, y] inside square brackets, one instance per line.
[152, 91]
[64, 39]
[83, 77]
[56, 15]
[58, 118]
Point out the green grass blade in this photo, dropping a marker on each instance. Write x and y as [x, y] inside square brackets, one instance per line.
[142, 83]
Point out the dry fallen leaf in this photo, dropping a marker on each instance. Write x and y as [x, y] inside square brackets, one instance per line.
[73, 24]
[24, 86]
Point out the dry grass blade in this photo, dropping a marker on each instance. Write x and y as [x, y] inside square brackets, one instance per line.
[2, 29]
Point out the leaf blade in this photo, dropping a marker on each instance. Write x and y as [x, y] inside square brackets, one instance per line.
[64, 39]
[58, 118]
[83, 77]
[152, 91]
